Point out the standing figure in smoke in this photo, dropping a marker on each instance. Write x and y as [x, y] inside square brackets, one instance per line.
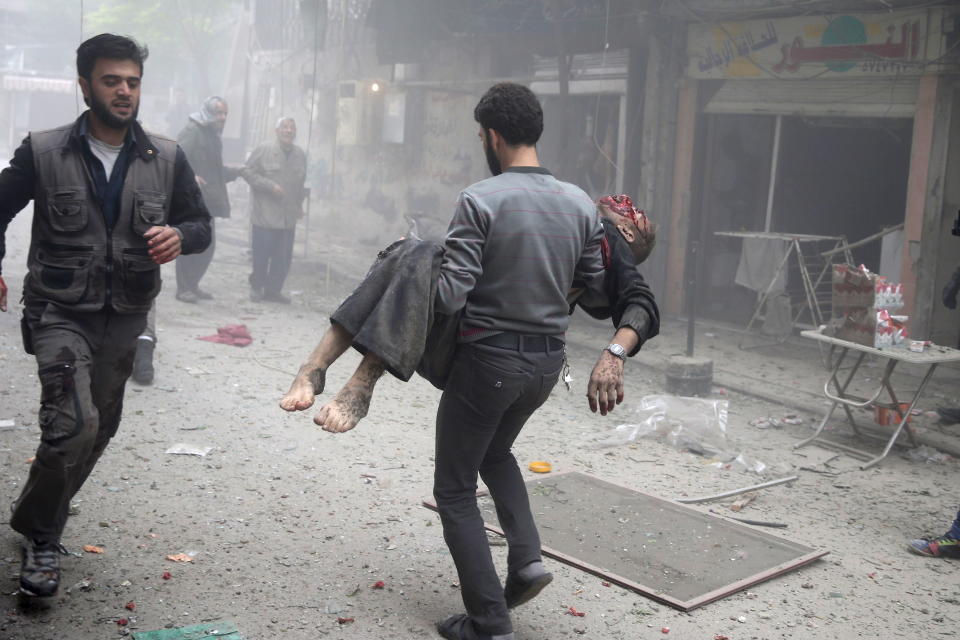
[276, 172]
[111, 204]
[200, 140]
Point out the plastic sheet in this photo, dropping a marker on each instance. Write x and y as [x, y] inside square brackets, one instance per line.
[698, 425]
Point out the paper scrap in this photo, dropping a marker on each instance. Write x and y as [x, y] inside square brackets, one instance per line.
[184, 449]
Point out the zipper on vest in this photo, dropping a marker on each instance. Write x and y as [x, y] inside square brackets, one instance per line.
[108, 298]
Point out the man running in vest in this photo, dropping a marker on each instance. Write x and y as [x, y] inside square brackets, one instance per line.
[111, 204]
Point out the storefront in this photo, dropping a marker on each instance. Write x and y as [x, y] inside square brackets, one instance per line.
[824, 125]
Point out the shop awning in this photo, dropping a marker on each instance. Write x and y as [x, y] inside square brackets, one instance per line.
[887, 98]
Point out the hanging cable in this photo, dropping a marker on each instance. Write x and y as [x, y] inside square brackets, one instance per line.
[596, 111]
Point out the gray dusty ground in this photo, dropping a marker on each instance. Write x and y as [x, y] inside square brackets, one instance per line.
[290, 526]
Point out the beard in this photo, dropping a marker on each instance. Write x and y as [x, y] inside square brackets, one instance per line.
[110, 119]
[492, 161]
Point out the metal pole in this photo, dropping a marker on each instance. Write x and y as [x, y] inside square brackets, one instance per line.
[692, 294]
[736, 492]
[774, 162]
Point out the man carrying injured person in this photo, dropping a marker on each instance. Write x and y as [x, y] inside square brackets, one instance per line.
[390, 319]
[518, 243]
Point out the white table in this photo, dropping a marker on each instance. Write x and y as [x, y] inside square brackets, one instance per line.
[930, 358]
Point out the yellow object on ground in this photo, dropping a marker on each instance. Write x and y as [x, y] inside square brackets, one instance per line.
[539, 466]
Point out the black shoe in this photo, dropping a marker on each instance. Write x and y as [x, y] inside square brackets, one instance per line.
[188, 296]
[459, 627]
[256, 294]
[203, 295]
[949, 415]
[143, 361]
[276, 296]
[40, 568]
[518, 591]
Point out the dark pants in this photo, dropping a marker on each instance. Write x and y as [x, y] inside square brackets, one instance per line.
[955, 529]
[84, 360]
[191, 268]
[272, 253]
[489, 396]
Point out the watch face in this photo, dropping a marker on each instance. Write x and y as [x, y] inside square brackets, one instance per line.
[616, 350]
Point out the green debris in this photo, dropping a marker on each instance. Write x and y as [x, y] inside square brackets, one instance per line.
[222, 630]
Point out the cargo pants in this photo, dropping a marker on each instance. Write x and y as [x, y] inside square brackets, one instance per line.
[83, 362]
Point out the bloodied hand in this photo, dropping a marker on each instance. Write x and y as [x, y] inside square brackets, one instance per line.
[605, 389]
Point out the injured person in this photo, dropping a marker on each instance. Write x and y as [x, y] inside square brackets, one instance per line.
[390, 319]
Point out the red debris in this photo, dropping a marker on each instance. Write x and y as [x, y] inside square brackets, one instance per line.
[123, 622]
[606, 584]
[664, 629]
[344, 620]
[379, 584]
[573, 612]
[130, 606]
[720, 636]
[166, 575]
[872, 575]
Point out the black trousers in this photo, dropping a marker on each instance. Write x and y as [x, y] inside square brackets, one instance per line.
[191, 268]
[84, 360]
[488, 398]
[272, 254]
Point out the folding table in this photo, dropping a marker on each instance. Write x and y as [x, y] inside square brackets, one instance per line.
[930, 358]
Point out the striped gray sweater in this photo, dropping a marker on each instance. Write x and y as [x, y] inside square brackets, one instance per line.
[515, 246]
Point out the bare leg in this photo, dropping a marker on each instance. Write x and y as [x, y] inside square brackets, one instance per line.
[350, 404]
[311, 378]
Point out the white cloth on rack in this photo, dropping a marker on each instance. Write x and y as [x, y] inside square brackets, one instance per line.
[760, 261]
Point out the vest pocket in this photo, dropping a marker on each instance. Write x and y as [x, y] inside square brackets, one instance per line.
[141, 281]
[67, 210]
[148, 210]
[62, 275]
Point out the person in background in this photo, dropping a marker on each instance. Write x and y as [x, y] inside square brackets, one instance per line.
[200, 140]
[276, 172]
[947, 545]
[111, 204]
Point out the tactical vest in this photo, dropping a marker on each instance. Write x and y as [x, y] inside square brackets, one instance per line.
[74, 260]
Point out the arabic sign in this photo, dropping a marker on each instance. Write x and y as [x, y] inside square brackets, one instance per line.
[814, 46]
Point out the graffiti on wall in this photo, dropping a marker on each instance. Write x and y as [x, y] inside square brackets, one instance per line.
[815, 46]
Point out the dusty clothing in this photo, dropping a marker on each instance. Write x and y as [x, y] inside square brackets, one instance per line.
[272, 165]
[516, 243]
[86, 296]
[272, 254]
[489, 397]
[84, 360]
[87, 248]
[204, 150]
[390, 313]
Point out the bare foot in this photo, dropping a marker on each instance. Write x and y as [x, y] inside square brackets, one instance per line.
[346, 409]
[306, 385]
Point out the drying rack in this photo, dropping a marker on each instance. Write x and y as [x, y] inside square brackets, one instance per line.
[814, 268]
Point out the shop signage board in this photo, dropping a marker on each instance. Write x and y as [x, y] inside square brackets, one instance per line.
[804, 47]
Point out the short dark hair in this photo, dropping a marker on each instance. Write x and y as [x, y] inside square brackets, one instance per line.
[513, 111]
[111, 47]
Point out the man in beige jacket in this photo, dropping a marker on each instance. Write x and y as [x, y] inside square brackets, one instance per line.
[276, 172]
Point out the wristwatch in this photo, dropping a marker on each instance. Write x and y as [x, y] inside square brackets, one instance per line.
[617, 350]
